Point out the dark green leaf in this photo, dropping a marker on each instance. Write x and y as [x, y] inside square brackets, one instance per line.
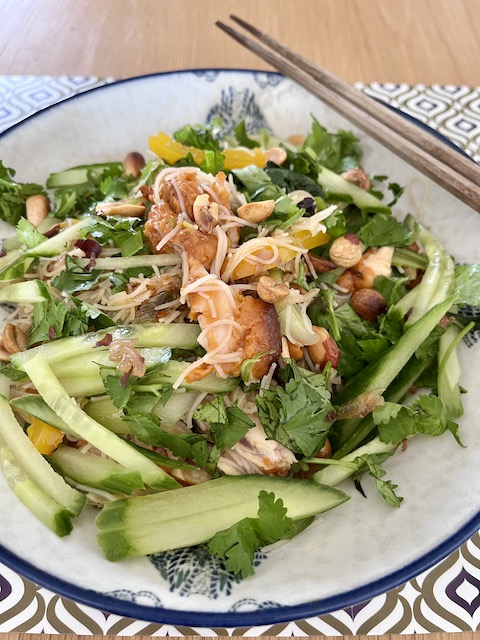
[13, 195]
[28, 234]
[241, 135]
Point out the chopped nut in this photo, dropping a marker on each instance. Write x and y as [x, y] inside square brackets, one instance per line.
[296, 352]
[120, 209]
[368, 304]
[256, 211]
[205, 213]
[375, 262]
[296, 139]
[325, 451]
[358, 177]
[14, 339]
[37, 209]
[325, 349]
[276, 155]
[346, 251]
[133, 164]
[320, 264]
[271, 291]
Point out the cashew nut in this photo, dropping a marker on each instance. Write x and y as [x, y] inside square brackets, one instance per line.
[358, 177]
[256, 211]
[346, 251]
[14, 339]
[37, 208]
[205, 213]
[325, 349]
[271, 291]
[120, 209]
[276, 155]
[133, 164]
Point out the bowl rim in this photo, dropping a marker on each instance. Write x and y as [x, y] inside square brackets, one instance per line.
[271, 615]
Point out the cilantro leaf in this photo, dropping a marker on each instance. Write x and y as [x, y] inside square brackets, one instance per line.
[28, 234]
[228, 425]
[52, 320]
[373, 464]
[336, 151]
[425, 415]
[289, 180]
[284, 215]
[13, 195]
[119, 389]
[75, 278]
[383, 229]
[200, 136]
[236, 545]
[120, 279]
[241, 135]
[258, 183]
[296, 416]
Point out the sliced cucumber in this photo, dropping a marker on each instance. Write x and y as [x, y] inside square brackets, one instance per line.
[28, 292]
[114, 447]
[112, 264]
[43, 507]
[337, 188]
[35, 464]
[93, 471]
[78, 175]
[174, 409]
[175, 335]
[191, 515]
[104, 411]
[55, 245]
[35, 405]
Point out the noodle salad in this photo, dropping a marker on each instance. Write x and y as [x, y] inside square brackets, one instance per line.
[202, 346]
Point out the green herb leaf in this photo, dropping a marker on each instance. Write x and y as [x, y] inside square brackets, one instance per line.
[336, 151]
[425, 415]
[119, 389]
[467, 284]
[13, 195]
[236, 545]
[241, 135]
[373, 464]
[200, 136]
[297, 415]
[28, 234]
[75, 278]
[228, 425]
[384, 229]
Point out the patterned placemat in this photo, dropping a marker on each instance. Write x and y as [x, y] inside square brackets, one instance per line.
[445, 598]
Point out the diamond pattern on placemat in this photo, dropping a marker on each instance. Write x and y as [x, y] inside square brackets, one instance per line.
[445, 598]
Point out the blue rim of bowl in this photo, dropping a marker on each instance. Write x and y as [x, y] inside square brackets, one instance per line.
[269, 615]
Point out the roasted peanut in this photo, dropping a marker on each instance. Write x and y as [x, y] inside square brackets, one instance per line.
[358, 177]
[368, 304]
[256, 211]
[205, 213]
[14, 339]
[37, 208]
[271, 291]
[325, 349]
[120, 209]
[375, 262]
[133, 164]
[296, 352]
[321, 265]
[346, 251]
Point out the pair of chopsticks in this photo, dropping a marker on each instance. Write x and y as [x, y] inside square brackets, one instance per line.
[450, 169]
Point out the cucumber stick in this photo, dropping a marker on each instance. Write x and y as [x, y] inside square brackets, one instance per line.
[114, 447]
[78, 175]
[112, 264]
[191, 515]
[93, 471]
[28, 292]
[34, 405]
[35, 465]
[338, 188]
[146, 335]
[380, 373]
[53, 515]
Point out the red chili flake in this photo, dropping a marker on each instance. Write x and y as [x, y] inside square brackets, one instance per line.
[52, 333]
[331, 415]
[89, 247]
[404, 444]
[105, 341]
[412, 390]
[52, 231]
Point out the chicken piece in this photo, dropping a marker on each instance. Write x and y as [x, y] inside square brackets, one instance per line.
[374, 262]
[161, 221]
[262, 333]
[179, 191]
[254, 453]
[218, 186]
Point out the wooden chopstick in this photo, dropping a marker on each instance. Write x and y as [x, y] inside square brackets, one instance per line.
[450, 169]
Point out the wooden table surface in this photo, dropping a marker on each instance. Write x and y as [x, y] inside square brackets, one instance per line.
[413, 41]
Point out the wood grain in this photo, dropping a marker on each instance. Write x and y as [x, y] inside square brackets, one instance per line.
[415, 41]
